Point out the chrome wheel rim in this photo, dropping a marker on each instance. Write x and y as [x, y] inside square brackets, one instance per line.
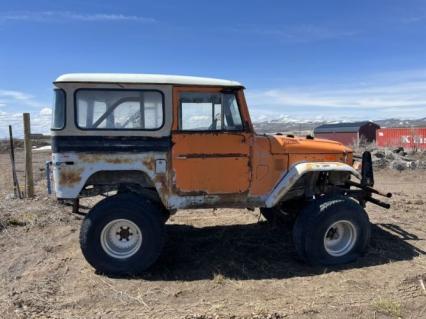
[340, 238]
[121, 238]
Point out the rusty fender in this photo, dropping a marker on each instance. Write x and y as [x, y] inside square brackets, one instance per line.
[287, 181]
[71, 170]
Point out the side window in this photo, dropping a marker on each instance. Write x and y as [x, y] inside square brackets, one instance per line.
[58, 114]
[209, 112]
[119, 109]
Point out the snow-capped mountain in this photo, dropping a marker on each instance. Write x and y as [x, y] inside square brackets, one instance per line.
[305, 126]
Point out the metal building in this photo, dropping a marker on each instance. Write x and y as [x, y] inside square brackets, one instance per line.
[348, 133]
[408, 138]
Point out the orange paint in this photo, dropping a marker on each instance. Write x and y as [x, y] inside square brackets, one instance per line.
[263, 160]
[212, 163]
[210, 143]
[217, 162]
[220, 175]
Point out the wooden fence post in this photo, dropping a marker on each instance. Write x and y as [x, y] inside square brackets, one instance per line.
[16, 189]
[29, 181]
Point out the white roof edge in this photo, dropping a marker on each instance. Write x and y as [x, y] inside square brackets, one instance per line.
[143, 78]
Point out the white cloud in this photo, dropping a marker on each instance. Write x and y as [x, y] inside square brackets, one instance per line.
[108, 17]
[414, 19]
[46, 111]
[304, 33]
[394, 94]
[40, 123]
[17, 97]
[61, 16]
[13, 103]
[403, 97]
[15, 94]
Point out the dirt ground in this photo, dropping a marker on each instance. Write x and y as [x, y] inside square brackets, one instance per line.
[216, 264]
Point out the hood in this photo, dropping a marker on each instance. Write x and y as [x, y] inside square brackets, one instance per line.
[281, 144]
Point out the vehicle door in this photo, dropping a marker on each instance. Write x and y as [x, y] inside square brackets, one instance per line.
[210, 153]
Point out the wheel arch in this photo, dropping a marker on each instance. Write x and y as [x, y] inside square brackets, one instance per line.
[136, 181]
[301, 178]
[131, 176]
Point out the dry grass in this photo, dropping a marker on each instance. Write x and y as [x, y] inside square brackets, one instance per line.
[216, 264]
[388, 307]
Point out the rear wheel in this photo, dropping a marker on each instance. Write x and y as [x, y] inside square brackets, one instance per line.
[122, 235]
[331, 231]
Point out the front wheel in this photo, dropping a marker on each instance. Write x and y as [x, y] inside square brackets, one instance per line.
[331, 231]
[122, 235]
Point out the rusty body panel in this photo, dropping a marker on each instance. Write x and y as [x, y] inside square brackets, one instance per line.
[70, 176]
[72, 170]
[274, 154]
[299, 145]
[192, 169]
[268, 167]
[214, 164]
[300, 169]
[210, 165]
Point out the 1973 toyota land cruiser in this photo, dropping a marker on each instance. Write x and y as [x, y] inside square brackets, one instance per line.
[162, 143]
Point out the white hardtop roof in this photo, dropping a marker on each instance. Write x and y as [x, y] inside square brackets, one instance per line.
[143, 78]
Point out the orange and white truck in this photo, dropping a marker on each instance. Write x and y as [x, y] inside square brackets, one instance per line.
[162, 143]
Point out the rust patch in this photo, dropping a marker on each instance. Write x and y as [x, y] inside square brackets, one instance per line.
[70, 177]
[161, 179]
[161, 182]
[239, 200]
[89, 158]
[93, 158]
[118, 160]
[149, 163]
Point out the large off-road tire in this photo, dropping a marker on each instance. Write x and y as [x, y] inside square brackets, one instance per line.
[122, 235]
[331, 231]
[165, 214]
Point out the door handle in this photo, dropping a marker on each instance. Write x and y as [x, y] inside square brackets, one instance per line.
[181, 157]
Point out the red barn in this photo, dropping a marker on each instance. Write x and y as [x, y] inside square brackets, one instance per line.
[408, 138]
[348, 133]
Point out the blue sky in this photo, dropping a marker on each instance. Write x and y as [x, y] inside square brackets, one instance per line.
[339, 59]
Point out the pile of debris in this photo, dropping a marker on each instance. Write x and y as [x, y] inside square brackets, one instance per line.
[398, 159]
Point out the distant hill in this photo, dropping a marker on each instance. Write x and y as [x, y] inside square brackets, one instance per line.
[402, 123]
[287, 125]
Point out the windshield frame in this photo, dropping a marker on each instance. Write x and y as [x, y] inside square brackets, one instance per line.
[54, 111]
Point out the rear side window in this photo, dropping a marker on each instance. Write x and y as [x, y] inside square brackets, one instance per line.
[58, 114]
[209, 112]
[119, 109]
